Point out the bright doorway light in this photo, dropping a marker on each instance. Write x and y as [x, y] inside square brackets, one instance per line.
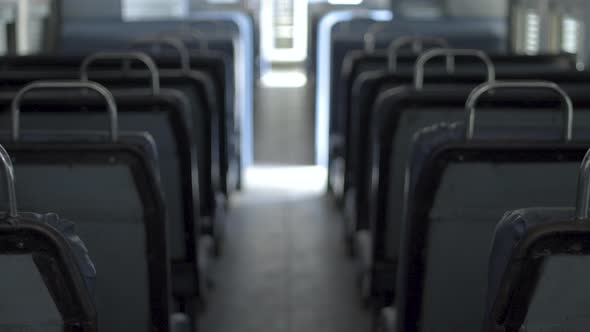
[345, 2]
[533, 33]
[286, 179]
[139, 10]
[571, 35]
[284, 79]
[284, 26]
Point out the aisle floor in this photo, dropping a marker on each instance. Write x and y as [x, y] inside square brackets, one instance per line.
[284, 126]
[284, 268]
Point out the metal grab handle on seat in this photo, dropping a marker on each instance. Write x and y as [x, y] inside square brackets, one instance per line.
[9, 172]
[42, 85]
[451, 54]
[568, 107]
[198, 36]
[140, 56]
[175, 43]
[370, 37]
[417, 44]
[188, 32]
[583, 198]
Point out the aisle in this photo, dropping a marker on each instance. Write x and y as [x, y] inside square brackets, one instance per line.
[284, 268]
[284, 126]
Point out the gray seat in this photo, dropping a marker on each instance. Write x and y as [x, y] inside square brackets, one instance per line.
[48, 279]
[398, 114]
[202, 120]
[457, 190]
[109, 184]
[357, 63]
[114, 197]
[538, 271]
[162, 115]
[377, 92]
[539, 267]
[212, 64]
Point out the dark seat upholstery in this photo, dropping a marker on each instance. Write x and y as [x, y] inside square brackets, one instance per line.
[369, 85]
[401, 112]
[163, 116]
[113, 193]
[349, 55]
[365, 75]
[204, 122]
[47, 277]
[199, 90]
[367, 90]
[457, 190]
[220, 36]
[211, 63]
[538, 270]
[349, 37]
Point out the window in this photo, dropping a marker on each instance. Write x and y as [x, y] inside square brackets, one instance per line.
[153, 9]
[476, 8]
[345, 2]
[549, 27]
[570, 35]
[532, 38]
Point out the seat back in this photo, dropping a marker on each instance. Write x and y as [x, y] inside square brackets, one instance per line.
[453, 233]
[404, 114]
[109, 185]
[198, 90]
[223, 40]
[457, 189]
[367, 87]
[42, 283]
[47, 277]
[203, 118]
[394, 127]
[538, 266]
[108, 196]
[351, 35]
[358, 175]
[538, 270]
[162, 116]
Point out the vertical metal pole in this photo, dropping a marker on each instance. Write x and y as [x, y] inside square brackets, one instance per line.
[323, 73]
[585, 38]
[22, 26]
[7, 15]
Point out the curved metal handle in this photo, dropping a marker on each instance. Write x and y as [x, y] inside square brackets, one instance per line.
[189, 32]
[370, 37]
[146, 59]
[9, 172]
[110, 101]
[583, 198]
[175, 43]
[417, 44]
[215, 24]
[197, 36]
[451, 54]
[486, 87]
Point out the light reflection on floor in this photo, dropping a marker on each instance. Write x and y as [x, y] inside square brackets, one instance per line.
[270, 183]
[284, 268]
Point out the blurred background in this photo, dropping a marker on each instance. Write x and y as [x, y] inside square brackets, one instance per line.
[284, 267]
[285, 50]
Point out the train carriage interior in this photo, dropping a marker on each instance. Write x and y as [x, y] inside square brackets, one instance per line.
[294, 165]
